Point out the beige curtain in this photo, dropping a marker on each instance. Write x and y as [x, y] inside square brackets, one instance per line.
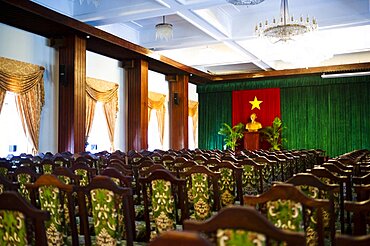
[107, 93]
[156, 102]
[193, 113]
[26, 80]
[90, 112]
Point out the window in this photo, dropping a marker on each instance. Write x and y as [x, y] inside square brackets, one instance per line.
[98, 139]
[13, 139]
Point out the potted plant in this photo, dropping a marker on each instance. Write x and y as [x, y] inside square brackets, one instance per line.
[232, 134]
[273, 134]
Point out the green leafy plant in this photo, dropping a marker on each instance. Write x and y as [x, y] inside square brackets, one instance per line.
[273, 134]
[232, 134]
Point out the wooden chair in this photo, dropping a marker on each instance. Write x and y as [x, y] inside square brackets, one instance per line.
[15, 213]
[24, 175]
[179, 238]
[345, 240]
[66, 175]
[47, 166]
[236, 225]
[56, 197]
[252, 179]
[288, 208]
[5, 168]
[202, 192]
[330, 178]
[7, 185]
[165, 197]
[268, 171]
[313, 187]
[168, 161]
[230, 183]
[106, 194]
[84, 171]
[184, 166]
[360, 217]
[62, 161]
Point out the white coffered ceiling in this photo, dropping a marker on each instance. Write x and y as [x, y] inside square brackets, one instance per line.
[218, 37]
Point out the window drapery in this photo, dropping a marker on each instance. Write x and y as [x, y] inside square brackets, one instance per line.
[106, 93]
[26, 80]
[193, 113]
[156, 102]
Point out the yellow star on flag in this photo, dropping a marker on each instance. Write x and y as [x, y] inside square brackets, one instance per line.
[255, 103]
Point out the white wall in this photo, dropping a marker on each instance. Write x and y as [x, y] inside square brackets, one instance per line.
[27, 47]
[102, 67]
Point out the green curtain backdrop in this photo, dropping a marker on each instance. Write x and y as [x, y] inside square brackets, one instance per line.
[214, 109]
[330, 114]
[335, 118]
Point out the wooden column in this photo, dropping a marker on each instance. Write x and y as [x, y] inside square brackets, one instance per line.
[178, 110]
[72, 95]
[137, 104]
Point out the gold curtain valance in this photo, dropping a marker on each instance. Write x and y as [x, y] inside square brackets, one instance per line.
[101, 90]
[21, 77]
[107, 93]
[26, 80]
[156, 100]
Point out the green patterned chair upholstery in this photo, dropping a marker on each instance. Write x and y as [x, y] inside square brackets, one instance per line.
[122, 181]
[56, 197]
[268, 171]
[313, 187]
[5, 167]
[84, 171]
[290, 209]
[202, 192]
[230, 183]
[239, 226]
[20, 222]
[24, 175]
[47, 166]
[252, 177]
[107, 201]
[164, 206]
[330, 178]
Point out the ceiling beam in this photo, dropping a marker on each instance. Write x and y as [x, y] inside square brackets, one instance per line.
[294, 72]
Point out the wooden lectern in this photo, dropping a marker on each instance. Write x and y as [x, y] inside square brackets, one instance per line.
[251, 140]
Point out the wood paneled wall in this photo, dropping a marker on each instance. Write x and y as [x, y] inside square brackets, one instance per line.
[178, 110]
[72, 95]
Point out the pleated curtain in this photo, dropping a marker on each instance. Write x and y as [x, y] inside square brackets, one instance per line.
[106, 92]
[26, 81]
[193, 113]
[156, 102]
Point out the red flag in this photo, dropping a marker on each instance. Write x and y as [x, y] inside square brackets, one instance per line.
[265, 104]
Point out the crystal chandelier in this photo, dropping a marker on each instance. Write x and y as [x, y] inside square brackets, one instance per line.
[245, 2]
[163, 30]
[287, 27]
[95, 2]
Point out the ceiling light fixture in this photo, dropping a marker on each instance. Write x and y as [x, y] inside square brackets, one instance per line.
[95, 2]
[344, 75]
[163, 30]
[287, 27]
[245, 2]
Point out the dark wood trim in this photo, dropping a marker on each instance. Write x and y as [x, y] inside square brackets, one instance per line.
[72, 95]
[137, 104]
[178, 111]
